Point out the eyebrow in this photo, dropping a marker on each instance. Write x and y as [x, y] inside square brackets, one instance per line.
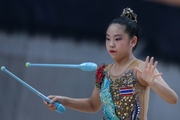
[114, 35]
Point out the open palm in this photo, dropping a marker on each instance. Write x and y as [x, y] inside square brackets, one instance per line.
[148, 73]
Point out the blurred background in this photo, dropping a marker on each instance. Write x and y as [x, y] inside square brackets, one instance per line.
[73, 32]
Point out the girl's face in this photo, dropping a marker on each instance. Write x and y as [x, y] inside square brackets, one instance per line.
[118, 43]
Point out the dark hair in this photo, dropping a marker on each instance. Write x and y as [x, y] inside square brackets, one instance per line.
[129, 19]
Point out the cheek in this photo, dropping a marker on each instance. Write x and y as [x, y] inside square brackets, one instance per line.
[107, 43]
[123, 45]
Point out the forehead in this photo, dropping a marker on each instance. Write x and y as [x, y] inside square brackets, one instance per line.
[114, 29]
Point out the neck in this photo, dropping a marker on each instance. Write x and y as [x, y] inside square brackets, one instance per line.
[121, 65]
[126, 60]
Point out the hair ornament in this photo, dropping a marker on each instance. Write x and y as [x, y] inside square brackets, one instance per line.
[128, 12]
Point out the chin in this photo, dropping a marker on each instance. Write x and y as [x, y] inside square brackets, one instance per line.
[114, 58]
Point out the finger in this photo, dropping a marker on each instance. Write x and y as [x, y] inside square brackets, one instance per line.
[45, 102]
[50, 106]
[52, 109]
[146, 62]
[138, 70]
[155, 65]
[51, 96]
[151, 62]
[156, 75]
[54, 100]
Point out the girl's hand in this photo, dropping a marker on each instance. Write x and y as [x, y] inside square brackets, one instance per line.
[148, 73]
[53, 99]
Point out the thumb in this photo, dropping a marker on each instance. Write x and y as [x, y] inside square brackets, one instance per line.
[51, 97]
[138, 70]
[54, 100]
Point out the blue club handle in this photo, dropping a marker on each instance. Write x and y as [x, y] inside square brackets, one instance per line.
[86, 66]
[59, 107]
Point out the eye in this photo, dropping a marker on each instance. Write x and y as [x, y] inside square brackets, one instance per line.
[117, 39]
[107, 39]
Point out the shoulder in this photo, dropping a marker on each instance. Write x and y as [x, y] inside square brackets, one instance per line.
[100, 74]
[141, 65]
[138, 63]
[102, 68]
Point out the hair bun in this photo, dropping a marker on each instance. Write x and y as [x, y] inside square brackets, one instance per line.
[127, 12]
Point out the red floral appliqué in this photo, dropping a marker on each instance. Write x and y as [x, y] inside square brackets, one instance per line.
[100, 75]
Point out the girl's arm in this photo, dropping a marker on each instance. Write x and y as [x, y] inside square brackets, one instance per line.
[147, 74]
[92, 104]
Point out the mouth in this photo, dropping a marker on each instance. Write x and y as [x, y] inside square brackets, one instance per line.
[112, 51]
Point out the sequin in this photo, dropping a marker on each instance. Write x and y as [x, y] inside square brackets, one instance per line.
[117, 107]
[123, 108]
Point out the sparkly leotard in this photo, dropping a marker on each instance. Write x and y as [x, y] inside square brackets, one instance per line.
[122, 97]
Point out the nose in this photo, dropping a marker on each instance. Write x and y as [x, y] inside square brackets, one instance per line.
[112, 44]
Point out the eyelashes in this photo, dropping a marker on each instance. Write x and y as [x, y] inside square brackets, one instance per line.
[107, 39]
[117, 39]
